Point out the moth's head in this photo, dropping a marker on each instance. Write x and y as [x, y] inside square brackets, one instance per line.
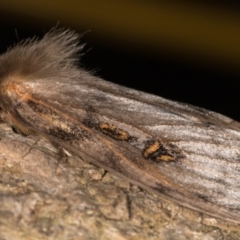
[53, 57]
[56, 54]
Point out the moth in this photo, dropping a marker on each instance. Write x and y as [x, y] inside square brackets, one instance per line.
[185, 154]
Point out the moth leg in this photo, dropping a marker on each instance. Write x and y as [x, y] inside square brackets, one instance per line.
[62, 157]
[19, 127]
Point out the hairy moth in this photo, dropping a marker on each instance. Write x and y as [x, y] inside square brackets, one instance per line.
[185, 154]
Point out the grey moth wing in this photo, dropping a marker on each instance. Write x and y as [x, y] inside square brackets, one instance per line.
[185, 154]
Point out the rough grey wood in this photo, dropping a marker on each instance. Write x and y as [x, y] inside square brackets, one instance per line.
[42, 198]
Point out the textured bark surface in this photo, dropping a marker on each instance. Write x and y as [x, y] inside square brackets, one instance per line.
[42, 198]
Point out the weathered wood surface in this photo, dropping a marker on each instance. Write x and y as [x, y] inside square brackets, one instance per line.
[42, 198]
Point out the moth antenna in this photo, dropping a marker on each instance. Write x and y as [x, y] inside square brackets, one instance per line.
[16, 34]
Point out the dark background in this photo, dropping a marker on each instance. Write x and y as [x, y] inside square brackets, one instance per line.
[182, 67]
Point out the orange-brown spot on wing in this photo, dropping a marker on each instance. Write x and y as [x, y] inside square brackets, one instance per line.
[151, 148]
[165, 158]
[114, 132]
[156, 151]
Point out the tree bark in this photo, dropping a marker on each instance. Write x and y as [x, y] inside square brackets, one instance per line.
[42, 197]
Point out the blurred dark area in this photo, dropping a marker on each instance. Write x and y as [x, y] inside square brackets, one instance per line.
[188, 71]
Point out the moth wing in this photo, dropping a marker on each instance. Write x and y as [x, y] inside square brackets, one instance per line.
[205, 177]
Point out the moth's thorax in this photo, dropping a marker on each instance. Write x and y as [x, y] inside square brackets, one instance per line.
[12, 90]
